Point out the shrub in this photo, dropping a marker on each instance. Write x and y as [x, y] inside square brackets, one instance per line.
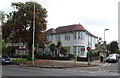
[19, 60]
[71, 55]
[118, 51]
[63, 50]
[93, 53]
[16, 56]
[24, 56]
[30, 58]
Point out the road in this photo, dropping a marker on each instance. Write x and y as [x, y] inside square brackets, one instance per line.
[108, 69]
[13, 70]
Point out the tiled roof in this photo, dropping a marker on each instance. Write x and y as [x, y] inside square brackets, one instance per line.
[69, 28]
[51, 31]
[65, 29]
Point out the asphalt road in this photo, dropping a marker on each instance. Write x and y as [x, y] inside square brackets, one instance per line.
[13, 70]
[107, 70]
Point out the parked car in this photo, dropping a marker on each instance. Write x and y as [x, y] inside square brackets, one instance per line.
[118, 55]
[6, 59]
[112, 58]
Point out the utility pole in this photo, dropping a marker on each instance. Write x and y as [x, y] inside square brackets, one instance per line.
[33, 45]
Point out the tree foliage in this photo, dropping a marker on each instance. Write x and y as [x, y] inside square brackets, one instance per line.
[2, 16]
[19, 24]
[63, 50]
[99, 46]
[113, 47]
[52, 47]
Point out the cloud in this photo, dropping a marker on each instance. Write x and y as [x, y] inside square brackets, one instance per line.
[95, 15]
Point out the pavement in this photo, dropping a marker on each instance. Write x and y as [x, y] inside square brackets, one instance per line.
[61, 63]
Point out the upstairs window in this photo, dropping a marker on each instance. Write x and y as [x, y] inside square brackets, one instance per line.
[75, 35]
[67, 37]
[49, 37]
[58, 37]
[80, 35]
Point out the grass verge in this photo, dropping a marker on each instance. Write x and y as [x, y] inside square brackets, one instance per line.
[19, 60]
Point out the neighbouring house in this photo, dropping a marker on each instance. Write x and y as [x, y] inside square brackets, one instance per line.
[20, 48]
[75, 37]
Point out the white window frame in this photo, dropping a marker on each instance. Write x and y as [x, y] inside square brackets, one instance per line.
[80, 35]
[75, 50]
[67, 37]
[58, 37]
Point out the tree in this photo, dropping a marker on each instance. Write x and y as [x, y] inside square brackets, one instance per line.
[113, 47]
[19, 26]
[100, 48]
[59, 44]
[52, 48]
[2, 16]
[63, 50]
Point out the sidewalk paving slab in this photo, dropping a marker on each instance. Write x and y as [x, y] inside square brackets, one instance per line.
[61, 64]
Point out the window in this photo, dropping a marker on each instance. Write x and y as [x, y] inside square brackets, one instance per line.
[75, 35]
[81, 50]
[58, 37]
[80, 35]
[68, 47]
[74, 50]
[49, 37]
[67, 37]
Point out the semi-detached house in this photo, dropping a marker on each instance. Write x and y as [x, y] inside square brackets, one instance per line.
[75, 37]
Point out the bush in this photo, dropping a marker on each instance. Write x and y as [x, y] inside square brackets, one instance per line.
[16, 56]
[30, 58]
[71, 55]
[118, 51]
[24, 56]
[93, 53]
[18, 60]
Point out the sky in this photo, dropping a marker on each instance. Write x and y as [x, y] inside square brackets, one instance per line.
[93, 15]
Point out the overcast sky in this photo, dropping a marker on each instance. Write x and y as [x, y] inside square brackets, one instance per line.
[94, 15]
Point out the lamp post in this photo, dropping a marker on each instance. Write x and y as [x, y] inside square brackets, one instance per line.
[104, 33]
[104, 38]
[104, 43]
[33, 45]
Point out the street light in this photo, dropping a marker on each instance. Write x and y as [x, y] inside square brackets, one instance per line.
[104, 43]
[104, 38]
[104, 33]
[33, 45]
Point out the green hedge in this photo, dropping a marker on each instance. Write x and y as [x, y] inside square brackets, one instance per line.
[18, 60]
[94, 53]
[30, 58]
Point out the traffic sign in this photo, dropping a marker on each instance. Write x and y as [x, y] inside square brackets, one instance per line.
[88, 48]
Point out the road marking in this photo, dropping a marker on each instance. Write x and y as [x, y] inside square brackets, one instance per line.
[103, 70]
[83, 71]
[106, 64]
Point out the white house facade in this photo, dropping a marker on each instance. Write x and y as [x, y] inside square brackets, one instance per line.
[75, 37]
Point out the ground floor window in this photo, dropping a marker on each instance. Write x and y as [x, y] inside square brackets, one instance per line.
[74, 50]
[82, 49]
[79, 49]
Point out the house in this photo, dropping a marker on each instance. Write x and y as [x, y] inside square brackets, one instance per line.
[75, 37]
[20, 48]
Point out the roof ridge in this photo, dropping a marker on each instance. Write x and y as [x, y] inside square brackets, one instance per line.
[66, 26]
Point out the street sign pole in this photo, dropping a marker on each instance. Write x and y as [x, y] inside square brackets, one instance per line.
[88, 49]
